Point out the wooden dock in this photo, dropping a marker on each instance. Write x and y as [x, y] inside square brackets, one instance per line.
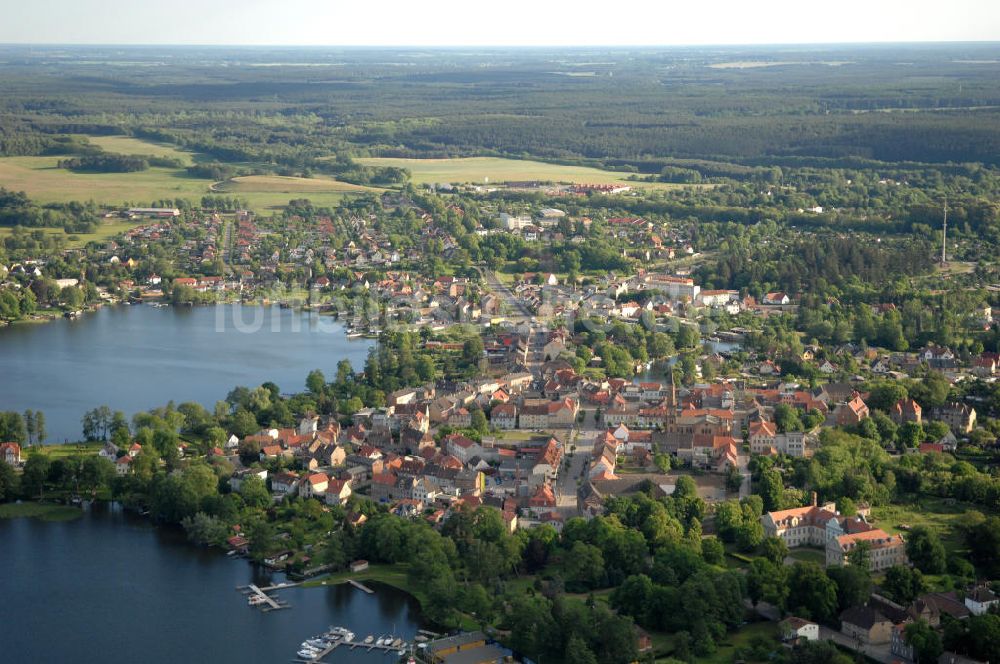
[361, 586]
[265, 601]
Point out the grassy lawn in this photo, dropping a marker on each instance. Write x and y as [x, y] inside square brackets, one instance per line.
[809, 555]
[63, 451]
[477, 169]
[936, 513]
[137, 146]
[43, 511]
[725, 654]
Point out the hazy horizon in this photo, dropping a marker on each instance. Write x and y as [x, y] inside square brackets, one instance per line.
[518, 23]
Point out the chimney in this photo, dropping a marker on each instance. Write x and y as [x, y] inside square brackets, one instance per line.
[814, 498]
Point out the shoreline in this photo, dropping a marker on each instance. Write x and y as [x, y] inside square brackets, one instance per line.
[394, 576]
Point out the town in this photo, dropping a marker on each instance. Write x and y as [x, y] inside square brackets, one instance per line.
[544, 403]
[565, 355]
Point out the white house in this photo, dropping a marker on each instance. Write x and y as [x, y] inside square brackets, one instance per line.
[794, 628]
[980, 600]
[337, 492]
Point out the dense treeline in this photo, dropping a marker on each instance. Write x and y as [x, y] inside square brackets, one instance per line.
[819, 264]
[634, 111]
[105, 163]
[16, 209]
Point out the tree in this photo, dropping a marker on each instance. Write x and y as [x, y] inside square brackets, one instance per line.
[9, 483]
[479, 422]
[316, 382]
[771, 489]
[774, 549]
[926, 642]
[662, 462]
[713, 551]
[910, 435]
[767, 582]
[749, 535]
[904, 584]
[36, 472]
[925, 550]
[983, 540]
[96, 472]
[472, 351]
[205, 529]
[40, 433]
[97, 423]
[254, 492]
[29, 425]
[578, 651]
[786, 418]
[854, 584]
[811, 593]
[12, 428]
[583, 567]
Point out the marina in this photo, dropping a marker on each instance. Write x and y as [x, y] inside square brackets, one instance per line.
[318, 647]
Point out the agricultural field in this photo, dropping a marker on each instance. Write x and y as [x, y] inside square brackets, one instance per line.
[480, 170]
[43, 181]
[136, 146]
[286, 185]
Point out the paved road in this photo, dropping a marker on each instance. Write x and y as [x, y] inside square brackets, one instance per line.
[566, 485]
[512, 302]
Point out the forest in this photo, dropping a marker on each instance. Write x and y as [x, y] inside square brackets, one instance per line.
[683, 110]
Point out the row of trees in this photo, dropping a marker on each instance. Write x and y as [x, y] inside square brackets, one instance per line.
[26, 428]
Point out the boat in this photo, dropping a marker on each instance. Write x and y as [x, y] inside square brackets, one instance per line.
[349, 636]
[354, 335]
[307, 654]
[369, 639]
[396, 643]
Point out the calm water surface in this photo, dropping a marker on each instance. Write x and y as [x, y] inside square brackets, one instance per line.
[110, 587]
[133, 358]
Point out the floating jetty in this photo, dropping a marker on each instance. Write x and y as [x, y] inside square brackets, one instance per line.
[257, 596]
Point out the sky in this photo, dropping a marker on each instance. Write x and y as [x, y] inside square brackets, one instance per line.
[504, 23]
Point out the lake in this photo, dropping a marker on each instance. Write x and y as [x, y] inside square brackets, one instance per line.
[110, 587]
[134, 358]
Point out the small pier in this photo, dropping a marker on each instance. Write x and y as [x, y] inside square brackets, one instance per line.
[361, 586]
[259, 597]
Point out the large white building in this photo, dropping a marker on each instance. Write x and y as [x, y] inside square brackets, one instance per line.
[837, 535]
